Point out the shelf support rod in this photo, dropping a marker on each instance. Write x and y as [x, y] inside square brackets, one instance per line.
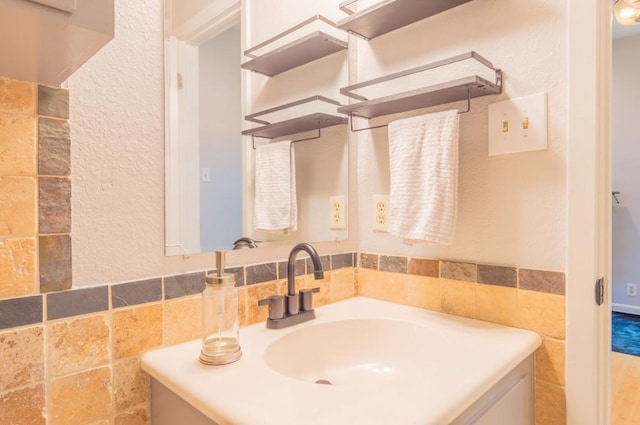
[355, 130]
[253, 140]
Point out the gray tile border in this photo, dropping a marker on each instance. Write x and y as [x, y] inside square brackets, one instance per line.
[138, 292]
[325, 262]
[54, 254]
[300, 268]
[20, 311]
[455, 270]
[54, 205]
[258, 273]
[542, 281]
[341, 261]
[498, 275]
[183, 285]
[54, 147]
[77, 302]
[53, 102]
[369, 261]
[393, 264]
[238, 273]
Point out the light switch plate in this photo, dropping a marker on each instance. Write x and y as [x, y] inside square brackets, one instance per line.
[518, 125]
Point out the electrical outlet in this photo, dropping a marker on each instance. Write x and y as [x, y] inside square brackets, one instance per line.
[380, 210]
[632, 289]
[337, 212]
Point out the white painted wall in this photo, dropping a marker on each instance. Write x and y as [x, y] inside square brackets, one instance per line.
[220, 142]
[626, 173]
[512, 207]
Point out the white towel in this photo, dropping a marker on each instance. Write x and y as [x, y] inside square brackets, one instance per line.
[423, 155]
[275, 207]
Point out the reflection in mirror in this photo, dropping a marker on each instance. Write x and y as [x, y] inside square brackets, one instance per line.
[209, 167]
[203, 168]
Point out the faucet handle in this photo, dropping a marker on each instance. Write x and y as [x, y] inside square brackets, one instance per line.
[276, 306]
[306, 298]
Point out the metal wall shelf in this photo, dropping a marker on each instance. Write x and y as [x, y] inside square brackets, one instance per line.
[437, 94]
[389, 15]
[312, 121]
[303, 50]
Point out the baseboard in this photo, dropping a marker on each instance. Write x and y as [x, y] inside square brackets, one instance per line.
[625, 308]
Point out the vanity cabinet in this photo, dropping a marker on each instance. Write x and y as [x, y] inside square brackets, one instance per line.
[510, 402]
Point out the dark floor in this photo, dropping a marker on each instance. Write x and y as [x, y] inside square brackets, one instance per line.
[625, 333]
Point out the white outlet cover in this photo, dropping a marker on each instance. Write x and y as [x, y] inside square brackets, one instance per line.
[337, 212]
[507, 121]
[380, 212]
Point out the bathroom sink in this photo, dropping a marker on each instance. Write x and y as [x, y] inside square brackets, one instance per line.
[359, 352]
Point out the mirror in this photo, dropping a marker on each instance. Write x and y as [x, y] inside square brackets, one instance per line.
[209, 166]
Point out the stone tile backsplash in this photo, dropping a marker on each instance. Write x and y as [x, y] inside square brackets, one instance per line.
[35, 189]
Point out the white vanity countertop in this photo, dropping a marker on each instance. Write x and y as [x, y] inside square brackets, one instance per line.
[467, 359]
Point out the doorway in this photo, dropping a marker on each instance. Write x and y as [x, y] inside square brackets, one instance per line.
[625, 229]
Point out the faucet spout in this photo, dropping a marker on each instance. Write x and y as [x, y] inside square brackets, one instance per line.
[291, 266]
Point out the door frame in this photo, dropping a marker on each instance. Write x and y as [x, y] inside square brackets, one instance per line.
[588, 212]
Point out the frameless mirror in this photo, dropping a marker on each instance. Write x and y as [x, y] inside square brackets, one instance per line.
[209, 180]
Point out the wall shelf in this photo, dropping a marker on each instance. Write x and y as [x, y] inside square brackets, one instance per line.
[306, 122]
[464, 88]
[389, 15]
[308, 48]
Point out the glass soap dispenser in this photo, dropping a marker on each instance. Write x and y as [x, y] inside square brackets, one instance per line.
[220, 324]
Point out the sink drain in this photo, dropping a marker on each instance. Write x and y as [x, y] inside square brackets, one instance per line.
[323, 381]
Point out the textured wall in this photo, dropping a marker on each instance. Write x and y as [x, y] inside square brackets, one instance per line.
[512, 207]
[625, 173]
[117, 134]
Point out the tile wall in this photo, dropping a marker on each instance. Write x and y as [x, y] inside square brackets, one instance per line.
[73, 357]
[523, 298]
[35, 189]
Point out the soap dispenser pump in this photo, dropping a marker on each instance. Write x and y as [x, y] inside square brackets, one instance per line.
[220, 324]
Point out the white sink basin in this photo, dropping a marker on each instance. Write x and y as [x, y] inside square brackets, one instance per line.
[387, 363]
[360, 352]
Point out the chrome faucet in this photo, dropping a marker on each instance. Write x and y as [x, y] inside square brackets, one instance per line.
[294, 308]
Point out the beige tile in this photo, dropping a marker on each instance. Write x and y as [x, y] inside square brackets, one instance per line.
[342, 284]
[242, 306]
[17, 96]
[308, 282]
[183, 319]
[497, 304]
[18, 145]
[458, 297]
[131, 385]
[80, 398]
[424, 292]
[21, 357]
[18, 206]
[542, 312]
[23, 406]
[79, 344]
[257, 292]
[385, 286]
[138, 416]
[18, 267]
[551, 406]
[550, 361]
[136, 330]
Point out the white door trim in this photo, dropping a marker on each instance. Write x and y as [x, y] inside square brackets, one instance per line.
[588, 211]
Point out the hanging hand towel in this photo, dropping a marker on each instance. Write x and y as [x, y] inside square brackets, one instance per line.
[275, 207]
[423, 156]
